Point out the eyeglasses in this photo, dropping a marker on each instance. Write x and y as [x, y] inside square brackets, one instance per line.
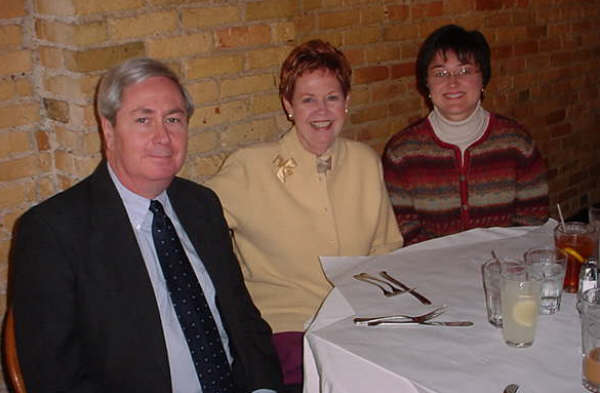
[463, 72]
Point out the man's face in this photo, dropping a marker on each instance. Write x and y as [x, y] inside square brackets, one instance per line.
[147, 145]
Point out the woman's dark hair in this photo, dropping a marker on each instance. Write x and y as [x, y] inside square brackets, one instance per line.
[469, 46]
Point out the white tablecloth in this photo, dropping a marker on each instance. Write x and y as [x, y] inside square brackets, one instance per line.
[340, 357]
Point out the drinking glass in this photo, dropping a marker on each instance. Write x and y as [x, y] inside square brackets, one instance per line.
[578, 240]
[589, 307]
[490, 272]
[520, 294]
[549, 263]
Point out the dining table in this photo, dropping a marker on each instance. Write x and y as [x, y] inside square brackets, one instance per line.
[341, 357]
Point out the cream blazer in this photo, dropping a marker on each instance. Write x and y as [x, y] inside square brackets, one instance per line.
[284, 215]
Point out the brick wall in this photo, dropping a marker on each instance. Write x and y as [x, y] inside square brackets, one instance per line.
[546, 57]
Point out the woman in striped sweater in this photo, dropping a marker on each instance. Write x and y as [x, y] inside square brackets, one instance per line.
[461, 167]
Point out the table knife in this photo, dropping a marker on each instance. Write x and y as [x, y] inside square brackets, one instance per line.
[416, 294]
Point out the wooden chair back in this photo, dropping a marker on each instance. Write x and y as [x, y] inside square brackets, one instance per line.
[10, 352]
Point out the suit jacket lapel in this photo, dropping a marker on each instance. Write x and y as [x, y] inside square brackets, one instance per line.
[196, 219]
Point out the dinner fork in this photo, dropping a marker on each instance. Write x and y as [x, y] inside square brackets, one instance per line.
[411, 318]
[412, 291]
[365, 277]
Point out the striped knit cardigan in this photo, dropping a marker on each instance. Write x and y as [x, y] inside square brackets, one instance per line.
[502, 181]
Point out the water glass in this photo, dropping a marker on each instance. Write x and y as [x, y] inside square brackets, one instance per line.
[589, 311]
[550, 265]
[491, 278]
[520, 296]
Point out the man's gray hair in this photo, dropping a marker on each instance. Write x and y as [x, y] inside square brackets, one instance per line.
[110, 90]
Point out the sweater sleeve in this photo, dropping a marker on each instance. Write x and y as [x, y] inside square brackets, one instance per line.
[532, 188]
[394, 171]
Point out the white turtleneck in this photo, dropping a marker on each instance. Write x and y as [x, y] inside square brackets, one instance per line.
[460, 133]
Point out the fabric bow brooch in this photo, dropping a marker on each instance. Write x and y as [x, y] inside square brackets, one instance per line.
[283, 167]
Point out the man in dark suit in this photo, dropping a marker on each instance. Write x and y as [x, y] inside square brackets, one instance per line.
[96, 307]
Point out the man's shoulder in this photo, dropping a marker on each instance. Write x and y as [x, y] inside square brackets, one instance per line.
[189, 186]
[71, 201]
[188, 189]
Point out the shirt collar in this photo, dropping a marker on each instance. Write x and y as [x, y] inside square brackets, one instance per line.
[137, 206]
[460, 133]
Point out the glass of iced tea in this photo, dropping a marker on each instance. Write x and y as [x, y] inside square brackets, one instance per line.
[578, 241]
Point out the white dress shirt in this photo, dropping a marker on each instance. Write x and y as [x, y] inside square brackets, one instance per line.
[184, 378]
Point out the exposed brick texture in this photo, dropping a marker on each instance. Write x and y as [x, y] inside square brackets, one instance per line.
[15, 62]
[179, 46]
[545, 54]
[96, 59]
[57, 110]
[243, 37]
[201, 18]
[10, 36]
[152, 24]
[66, 33]
[12, 8]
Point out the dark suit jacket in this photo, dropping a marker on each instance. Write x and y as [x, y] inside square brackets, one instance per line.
[86, 319]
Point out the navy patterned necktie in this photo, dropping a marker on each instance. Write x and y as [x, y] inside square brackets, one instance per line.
[191, 307]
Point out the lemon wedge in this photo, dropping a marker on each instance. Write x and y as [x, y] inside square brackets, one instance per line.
[574, 254]
[525, 312]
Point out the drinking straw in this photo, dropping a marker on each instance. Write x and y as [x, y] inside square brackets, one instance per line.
[496, 256]
[562, 220]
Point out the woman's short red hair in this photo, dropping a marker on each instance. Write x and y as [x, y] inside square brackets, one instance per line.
[311, 56]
